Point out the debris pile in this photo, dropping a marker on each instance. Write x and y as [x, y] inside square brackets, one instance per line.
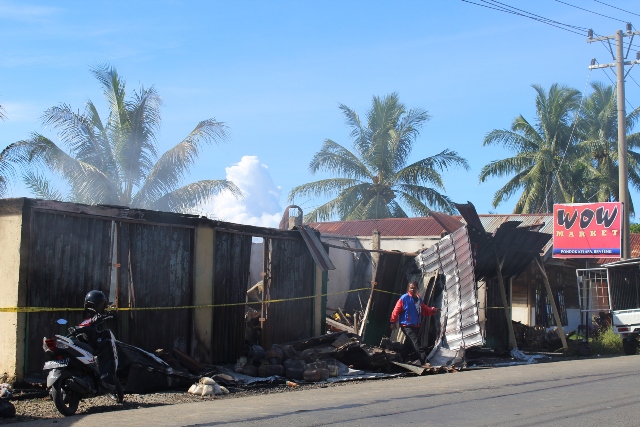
[315, 359]
[536, 338]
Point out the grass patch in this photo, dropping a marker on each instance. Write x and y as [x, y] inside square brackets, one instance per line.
[608, 342]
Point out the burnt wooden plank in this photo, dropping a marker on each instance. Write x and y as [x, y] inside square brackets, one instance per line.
[155, 251]
[231, 276]
[292, 276]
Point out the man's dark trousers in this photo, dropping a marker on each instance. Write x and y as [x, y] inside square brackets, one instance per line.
[412, 337]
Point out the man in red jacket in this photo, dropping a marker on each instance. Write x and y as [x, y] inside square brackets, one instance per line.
[408, 313]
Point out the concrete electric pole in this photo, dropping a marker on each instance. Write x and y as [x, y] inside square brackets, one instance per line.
[623, 178]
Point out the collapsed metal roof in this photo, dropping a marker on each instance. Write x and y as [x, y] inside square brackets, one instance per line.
[452, 256]
[422, 226]
[490, 223]
[511, 244]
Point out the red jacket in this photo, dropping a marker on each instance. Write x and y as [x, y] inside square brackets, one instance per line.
[410, 316]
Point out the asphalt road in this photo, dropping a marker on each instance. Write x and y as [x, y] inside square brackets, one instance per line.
[594, 392]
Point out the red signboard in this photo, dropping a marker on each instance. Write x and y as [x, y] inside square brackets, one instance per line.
[587, 230]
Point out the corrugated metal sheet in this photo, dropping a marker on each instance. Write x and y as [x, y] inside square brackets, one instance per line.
[319, 254]
[68, 257]
[492, 222]
[513, 245]
[292, 276]
[423, 226]
[453, 257]
[231, 275]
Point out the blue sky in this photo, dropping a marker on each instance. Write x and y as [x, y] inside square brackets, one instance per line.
[276, 71]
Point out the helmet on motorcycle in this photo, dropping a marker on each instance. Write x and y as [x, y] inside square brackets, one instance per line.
[95, 301]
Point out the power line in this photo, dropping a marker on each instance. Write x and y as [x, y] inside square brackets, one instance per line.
[591, 11]
[506, 6]
[601, 2]
[544, 20]
[634, 80]
[573, 128]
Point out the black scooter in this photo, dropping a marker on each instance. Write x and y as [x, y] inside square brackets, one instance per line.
[82, 364]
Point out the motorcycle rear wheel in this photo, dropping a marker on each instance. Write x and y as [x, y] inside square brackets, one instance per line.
[66, 401]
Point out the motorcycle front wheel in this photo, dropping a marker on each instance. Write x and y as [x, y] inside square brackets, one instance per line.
[66, 401]
[118, 396]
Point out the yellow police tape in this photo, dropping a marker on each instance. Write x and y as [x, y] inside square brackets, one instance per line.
[50, 309]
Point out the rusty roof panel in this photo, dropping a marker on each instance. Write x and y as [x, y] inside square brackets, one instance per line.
[422, 226]
[448, 223]
[634, 242]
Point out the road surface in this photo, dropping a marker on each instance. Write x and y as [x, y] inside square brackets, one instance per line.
[593, 392]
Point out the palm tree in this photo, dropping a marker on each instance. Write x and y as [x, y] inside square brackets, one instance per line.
[375, 181]
[542, 168]
[599, 124]
[115, 161]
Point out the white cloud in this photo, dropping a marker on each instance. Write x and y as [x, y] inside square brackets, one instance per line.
[261, 205]
[19, 11]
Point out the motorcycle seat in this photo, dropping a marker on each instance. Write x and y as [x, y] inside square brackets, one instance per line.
[83, 346]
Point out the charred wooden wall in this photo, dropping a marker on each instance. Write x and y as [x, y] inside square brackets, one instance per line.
[292, 276]
[156, 264]
[146, 259]
[231, 275]
[71, 254]
[68, 256]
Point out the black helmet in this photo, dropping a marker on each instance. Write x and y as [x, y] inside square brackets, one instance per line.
[95, 301]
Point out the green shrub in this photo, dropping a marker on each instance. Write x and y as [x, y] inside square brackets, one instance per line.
[607, 342]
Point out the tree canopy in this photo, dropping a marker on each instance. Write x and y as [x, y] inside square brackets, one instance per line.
[376, 180]
[114, 160]
[567, 155]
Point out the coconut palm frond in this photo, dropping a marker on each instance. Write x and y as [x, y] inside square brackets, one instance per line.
[41, 187]
[173, 165]
[189, 196]
[325, 187]
[334, 158]
[422, 201]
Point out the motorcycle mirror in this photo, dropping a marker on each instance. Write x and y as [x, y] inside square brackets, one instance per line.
[61, 321]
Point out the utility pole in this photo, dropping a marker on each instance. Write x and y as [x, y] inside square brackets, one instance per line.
[623, 177]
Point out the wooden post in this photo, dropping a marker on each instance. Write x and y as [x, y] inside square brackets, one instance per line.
[552, 300]
[505, 304]
[375, 256]
[363, 325]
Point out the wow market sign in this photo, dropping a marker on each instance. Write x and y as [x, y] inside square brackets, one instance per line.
[587, 230]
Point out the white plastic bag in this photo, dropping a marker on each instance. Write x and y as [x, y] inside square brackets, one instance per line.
[207, 390]
[207, 381]
[198, 389]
